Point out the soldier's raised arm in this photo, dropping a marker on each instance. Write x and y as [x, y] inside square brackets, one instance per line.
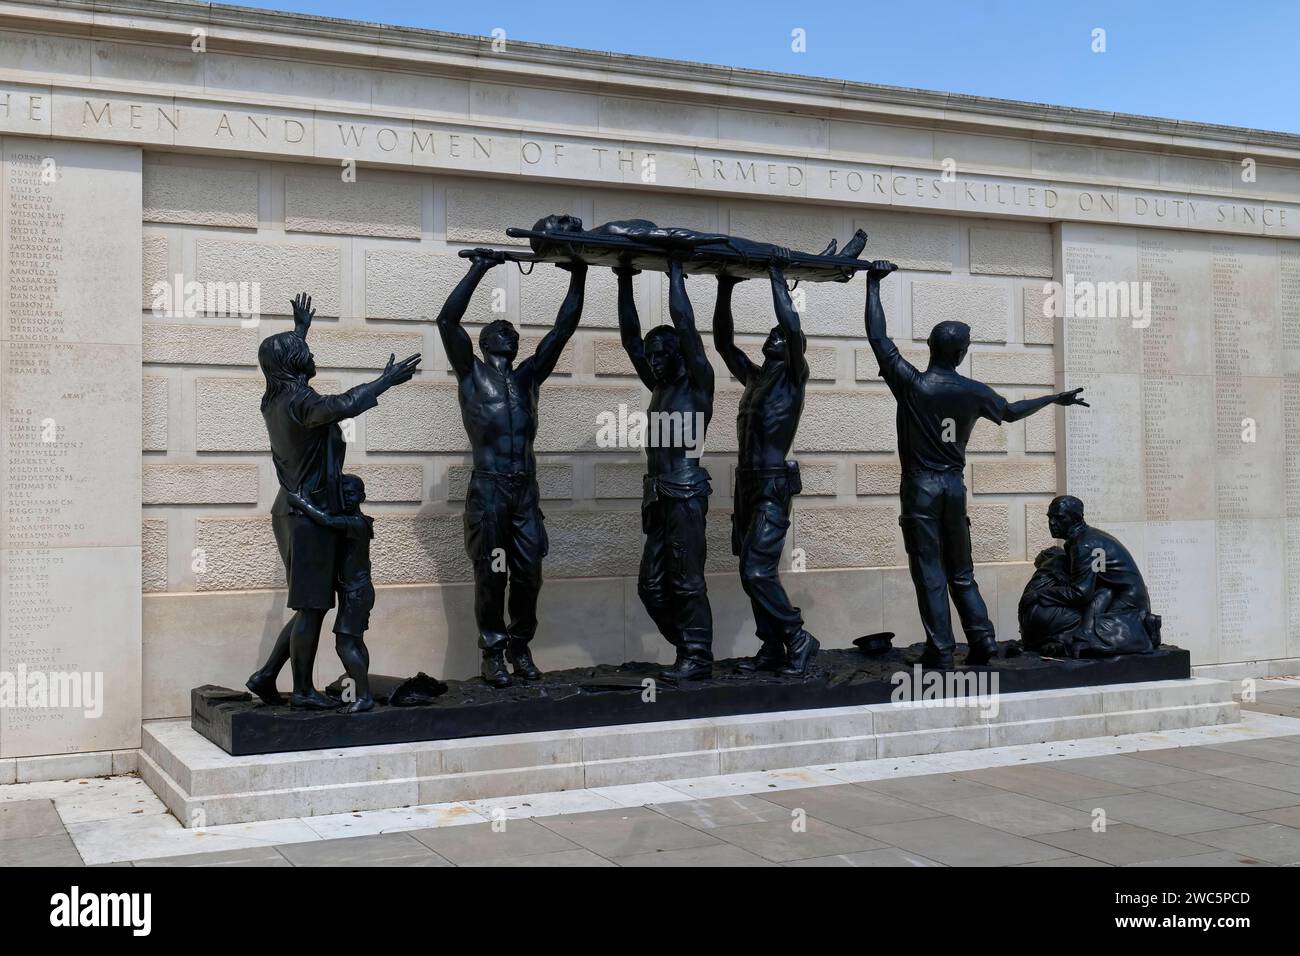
[724, 331]
[629, 325]
[698, 366]
[460, 351]
[566, 321]
[788, 319]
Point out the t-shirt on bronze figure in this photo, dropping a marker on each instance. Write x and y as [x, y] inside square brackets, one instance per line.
[937, 410]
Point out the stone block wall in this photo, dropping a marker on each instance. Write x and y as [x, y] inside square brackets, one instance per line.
[379, 257]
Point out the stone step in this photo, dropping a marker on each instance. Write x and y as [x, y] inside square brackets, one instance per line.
[198, 780]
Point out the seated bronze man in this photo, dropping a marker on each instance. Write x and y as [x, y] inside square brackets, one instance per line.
[1104, 587]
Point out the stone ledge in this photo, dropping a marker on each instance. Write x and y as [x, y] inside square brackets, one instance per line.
[74, 766]
[203, 786]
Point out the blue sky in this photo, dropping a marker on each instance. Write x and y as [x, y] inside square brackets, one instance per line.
[1231, 63]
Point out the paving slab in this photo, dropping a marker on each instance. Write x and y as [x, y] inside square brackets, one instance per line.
[930, 789]
[56, 849]
[478, 843]
[626, 832]
[779, 842]
[253, 856]
[1278, 749]
[1224, 793]
[1122, 843]
[724, 811]
[387, 849]
[888, 856]
[1163, 814]
[1018, 814]
[1046, 781]
[564, 858]
[722, 855]
[1220, 859]
[956, 842]
[1277, 776]
[1288, 816]
[1271, 842]
[851, 807]
[1125, 770]
[1195, 758]
[29, 819]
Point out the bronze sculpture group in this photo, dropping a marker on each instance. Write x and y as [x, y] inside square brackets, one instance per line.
[324, 539]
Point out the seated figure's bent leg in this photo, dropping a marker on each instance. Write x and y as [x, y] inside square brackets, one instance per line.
[1044, 625]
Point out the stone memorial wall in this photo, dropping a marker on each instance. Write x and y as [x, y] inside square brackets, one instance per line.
[285, 153]
[70, 550]
[1192, 450]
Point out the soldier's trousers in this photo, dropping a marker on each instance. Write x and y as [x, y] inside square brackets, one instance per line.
[505, 537]
[936, 533]
[759, 522]
[671, 581]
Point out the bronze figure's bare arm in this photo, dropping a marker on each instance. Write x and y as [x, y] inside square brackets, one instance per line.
[629, 326]
[679, 310]
[460, 351]
[566, 322]
[724, 332]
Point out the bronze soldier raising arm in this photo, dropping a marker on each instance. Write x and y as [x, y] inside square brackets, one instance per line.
[504, 527]
[937, 411]
[673, 364]
[766, 483]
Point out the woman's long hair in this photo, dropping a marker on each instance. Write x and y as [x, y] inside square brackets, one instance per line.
[285, 361]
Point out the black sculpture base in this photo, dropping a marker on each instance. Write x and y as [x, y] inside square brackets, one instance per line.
[613, 694]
